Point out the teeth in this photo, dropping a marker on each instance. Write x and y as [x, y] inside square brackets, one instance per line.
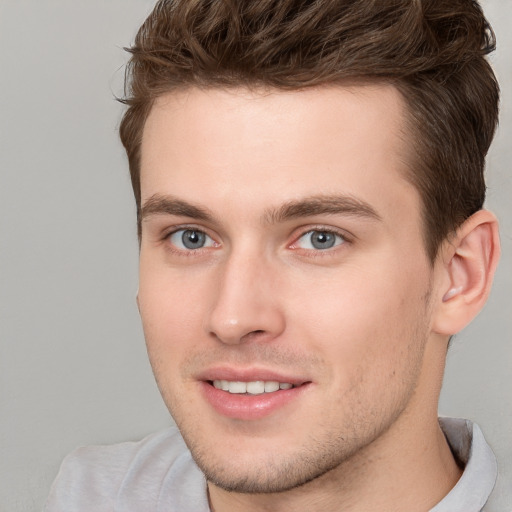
[256, 387]
[271, 386]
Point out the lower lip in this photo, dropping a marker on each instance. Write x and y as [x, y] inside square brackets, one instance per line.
[249, 407]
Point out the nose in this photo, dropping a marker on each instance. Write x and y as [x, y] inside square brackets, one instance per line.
[246, 301]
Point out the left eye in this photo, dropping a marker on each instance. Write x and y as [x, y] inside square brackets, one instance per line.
[319, 240]
[190, 239]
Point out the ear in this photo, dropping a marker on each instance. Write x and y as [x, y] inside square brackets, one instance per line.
[468, 261]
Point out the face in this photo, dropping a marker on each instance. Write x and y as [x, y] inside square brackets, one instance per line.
[284, 283]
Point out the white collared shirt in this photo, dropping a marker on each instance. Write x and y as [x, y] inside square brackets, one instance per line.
[474, 487]
[158, 474]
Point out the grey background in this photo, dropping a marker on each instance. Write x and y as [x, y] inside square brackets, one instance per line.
[73, 366]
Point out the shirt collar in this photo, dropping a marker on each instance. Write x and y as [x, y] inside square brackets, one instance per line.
[474, 487]
[464, 437]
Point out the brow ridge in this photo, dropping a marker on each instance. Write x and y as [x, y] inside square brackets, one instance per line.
[306, 207]
[322, 205]
[168, 205]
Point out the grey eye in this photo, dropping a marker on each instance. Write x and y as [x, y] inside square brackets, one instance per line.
[193, 239]
[190, 239]
[319, 240]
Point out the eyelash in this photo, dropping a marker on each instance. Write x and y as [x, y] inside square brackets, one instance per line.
[319, 253]
[347, 239]
[181, 252]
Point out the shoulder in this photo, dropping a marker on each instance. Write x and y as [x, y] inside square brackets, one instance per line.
[101, 478]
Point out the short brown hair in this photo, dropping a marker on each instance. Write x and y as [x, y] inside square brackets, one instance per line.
[433, 51]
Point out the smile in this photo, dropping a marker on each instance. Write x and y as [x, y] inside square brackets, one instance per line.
[256, 387]
[251, 397]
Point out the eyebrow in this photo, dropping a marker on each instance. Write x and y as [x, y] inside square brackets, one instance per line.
[169, 205]
[322, 205]
[307, 207]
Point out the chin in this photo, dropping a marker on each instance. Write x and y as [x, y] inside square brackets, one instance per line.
[234, 466]
[263, 478]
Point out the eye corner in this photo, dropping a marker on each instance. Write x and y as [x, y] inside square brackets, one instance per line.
[319, 239]
[189, 240]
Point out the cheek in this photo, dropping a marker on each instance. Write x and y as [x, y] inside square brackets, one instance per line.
[372, 339]
[364, 319]
[172, 312]
[171, 318]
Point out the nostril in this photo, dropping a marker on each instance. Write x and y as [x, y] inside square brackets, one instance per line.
[253, 335]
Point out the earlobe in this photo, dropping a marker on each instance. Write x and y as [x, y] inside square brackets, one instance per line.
[470, 261]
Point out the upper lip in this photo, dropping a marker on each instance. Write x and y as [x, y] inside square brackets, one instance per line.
[249, 375]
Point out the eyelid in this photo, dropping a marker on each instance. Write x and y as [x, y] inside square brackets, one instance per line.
[304, 230]
[167, 234]
[347, 237]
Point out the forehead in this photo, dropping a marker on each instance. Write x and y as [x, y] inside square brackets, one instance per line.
[248, 149]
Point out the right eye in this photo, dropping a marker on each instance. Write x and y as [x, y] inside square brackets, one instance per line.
[190, 239]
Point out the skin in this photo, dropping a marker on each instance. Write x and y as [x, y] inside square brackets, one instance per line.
[362, 322]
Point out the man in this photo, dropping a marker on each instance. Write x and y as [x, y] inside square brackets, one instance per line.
[309, 187]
